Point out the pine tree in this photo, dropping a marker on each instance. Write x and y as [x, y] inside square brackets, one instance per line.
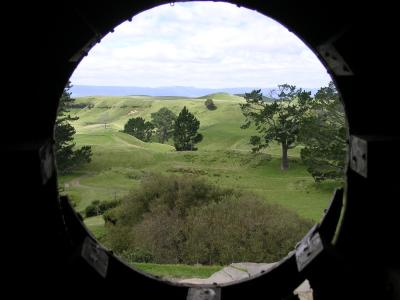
[66, 156]
[185, 131]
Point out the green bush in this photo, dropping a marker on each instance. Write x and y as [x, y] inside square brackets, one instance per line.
[242, 228]
[174, 192]
[97, 207]
[91, 211]
[209, 103]
[106, 205]
[137, 255]
[187, 220]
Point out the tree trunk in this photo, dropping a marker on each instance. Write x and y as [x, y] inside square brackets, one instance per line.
[285, 160]
[164, 135]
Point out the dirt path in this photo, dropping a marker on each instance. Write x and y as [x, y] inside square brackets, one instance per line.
[76, 181]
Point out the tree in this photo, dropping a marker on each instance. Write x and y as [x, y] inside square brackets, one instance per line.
[163, 121]
[185, 131]
[324, 136]
[209, 103]
[139, 128]
[279, 120]
[66, 156]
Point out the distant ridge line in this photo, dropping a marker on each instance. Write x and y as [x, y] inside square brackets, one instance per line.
[179, 91]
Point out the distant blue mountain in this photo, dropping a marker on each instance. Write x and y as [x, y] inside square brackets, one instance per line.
[182, 91]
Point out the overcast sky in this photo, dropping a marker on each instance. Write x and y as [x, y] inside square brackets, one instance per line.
[208, 45]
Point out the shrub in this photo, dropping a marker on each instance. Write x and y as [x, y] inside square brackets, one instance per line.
[161, 234]
[242, 228]
[137, 255]
[174, 192]
[91, 211]
[209, 103]
[97, 208]
[106, 205]
[187, 220]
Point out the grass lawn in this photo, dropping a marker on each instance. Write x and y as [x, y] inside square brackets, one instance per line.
[96, 226]
[178, 271]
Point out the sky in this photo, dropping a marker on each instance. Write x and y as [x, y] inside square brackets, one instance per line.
[205, 45]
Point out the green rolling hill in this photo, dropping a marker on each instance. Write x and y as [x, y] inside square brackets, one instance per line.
[224, 156]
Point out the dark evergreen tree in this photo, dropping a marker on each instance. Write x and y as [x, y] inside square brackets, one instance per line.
[185, 131]
[66, 156]
[139, 128]
[279, 120]
[163, 121]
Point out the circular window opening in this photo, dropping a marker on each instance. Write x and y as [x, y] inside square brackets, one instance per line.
[200, 139]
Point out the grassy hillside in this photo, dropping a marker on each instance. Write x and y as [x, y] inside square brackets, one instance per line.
[120, 160]
[222, 96]
[224, 157]
[221, 127]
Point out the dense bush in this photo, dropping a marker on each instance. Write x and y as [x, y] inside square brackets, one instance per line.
[187, 220]
[137, 255]
[242, 228]
[91, 211]
[173, 192]
[209, 103]
[97, 207]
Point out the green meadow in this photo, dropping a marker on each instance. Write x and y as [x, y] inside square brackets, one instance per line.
[224, 156]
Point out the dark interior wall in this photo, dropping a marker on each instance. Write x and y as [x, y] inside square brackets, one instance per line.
[49, 42]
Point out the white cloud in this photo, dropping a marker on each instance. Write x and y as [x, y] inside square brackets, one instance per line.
[209, 44]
